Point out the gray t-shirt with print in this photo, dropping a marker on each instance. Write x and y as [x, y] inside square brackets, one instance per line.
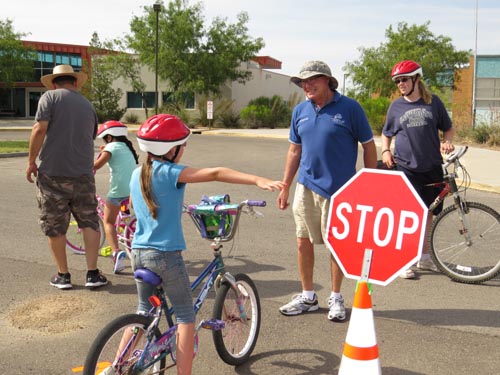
[68, 148]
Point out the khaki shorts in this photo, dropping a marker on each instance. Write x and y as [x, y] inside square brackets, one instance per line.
[59, 197]
[310, 211]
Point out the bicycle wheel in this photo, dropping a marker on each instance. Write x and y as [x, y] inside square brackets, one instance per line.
[126, 235]
[236, 341]
[74, 237]
[465, 248]
[112, 339]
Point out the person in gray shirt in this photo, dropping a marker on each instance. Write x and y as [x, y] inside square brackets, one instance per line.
[63, 139]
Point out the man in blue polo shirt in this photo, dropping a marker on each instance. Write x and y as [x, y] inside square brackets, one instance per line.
[324, 135]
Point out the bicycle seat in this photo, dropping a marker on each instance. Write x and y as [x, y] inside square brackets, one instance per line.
[147, 276]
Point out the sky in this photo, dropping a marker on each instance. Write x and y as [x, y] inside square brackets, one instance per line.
[294, 31]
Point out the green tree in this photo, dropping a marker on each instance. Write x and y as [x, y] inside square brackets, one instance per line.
[193, 57]
[100, 90]
[16, 60]
[126, 66]
[437, 55]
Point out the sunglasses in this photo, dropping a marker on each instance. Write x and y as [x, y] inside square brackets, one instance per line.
[310, 80]
[398, 80]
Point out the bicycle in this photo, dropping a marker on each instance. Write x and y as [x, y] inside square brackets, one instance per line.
[135, 344]
[125, 228]
[471, 255]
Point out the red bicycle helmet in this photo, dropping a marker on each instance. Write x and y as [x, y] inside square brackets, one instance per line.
[406, 68]
[114, 128]
[160, 133]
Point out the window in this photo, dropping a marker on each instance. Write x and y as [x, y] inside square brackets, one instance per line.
[134, 100]
[184, 98]
[47, 60]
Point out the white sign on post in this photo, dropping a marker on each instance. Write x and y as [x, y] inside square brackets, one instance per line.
[210, 110]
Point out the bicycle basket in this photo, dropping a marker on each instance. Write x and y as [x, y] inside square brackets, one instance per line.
[210, 223]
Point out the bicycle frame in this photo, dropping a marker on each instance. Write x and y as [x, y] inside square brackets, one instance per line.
[158, 349]
[450, 187]
[123, 221]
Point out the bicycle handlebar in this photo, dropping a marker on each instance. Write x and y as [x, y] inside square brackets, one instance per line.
[226, 226]
[455, 156]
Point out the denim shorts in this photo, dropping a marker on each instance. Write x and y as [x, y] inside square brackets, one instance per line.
[116, 201]
[169, 265]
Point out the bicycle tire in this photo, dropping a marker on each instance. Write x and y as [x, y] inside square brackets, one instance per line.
[236, 341]
[128, 235]
[103, 350]
[471, 263]
[74, 237]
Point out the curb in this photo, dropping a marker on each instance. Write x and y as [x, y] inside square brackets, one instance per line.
[13, 154]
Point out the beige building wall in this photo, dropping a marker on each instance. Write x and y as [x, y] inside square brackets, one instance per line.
[263, 83]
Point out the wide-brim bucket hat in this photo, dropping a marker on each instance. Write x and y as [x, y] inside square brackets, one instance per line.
[315, 68]
[63, 70]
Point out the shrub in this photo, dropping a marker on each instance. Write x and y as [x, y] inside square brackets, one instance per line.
[266, 112]
[131, 118]
[376, 110]
[228, 119]
[481, 133]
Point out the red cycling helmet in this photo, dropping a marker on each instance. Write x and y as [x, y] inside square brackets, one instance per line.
[160, 133]
[114, 128]
[406, 68]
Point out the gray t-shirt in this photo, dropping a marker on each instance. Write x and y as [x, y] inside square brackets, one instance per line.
[68, 148]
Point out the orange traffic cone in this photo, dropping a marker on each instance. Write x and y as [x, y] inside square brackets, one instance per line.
[360, 349]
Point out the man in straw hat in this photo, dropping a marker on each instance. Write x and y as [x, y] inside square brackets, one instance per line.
[324, 134]
[63, 136]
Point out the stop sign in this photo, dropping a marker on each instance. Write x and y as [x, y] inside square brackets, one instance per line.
[381, 211]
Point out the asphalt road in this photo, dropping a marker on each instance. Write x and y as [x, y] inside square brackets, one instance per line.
[426, 326]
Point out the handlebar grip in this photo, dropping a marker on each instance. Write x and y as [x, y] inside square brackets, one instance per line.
[256, 203]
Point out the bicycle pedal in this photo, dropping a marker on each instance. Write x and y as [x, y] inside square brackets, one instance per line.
[213, 324]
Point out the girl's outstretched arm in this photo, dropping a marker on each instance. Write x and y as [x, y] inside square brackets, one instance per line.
[222, 174]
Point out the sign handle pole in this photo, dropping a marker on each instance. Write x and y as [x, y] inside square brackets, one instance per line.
[367, 261]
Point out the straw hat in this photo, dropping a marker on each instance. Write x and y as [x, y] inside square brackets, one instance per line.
[63, 70]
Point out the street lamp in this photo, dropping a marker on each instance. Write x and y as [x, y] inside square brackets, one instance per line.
[343, 83]
[156, 8]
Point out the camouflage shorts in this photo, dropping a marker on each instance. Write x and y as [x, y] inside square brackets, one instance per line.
[59, 197]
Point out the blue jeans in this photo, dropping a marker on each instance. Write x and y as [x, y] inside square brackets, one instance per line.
[169, 265]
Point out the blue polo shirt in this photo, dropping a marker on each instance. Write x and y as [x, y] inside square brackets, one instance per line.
[165, 233]
[329, 139]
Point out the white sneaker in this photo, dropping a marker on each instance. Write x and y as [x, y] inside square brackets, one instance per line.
[300, 304]
[427, 264]
[337, 309]
[407, 274]
[119, 261]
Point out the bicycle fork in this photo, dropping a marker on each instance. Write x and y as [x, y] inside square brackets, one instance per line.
[463, 210]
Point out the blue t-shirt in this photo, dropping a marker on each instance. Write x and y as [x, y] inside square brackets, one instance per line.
[165, 233]
[121, 165]
[416, 126]
[329, 139]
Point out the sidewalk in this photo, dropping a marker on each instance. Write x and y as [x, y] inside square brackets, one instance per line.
[481, 163]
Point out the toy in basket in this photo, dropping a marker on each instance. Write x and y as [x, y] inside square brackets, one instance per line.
[214, 216]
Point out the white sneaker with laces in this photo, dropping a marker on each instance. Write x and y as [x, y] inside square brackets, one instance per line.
[337, 309]
[427, 264]
[300, 304]
[407, 274]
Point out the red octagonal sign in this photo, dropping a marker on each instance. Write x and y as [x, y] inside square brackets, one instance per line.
[381, 211]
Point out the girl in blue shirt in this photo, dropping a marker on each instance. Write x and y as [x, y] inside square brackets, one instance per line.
[157, 192]
[121, 158]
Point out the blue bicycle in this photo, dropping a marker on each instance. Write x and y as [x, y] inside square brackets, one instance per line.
[135, 344]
